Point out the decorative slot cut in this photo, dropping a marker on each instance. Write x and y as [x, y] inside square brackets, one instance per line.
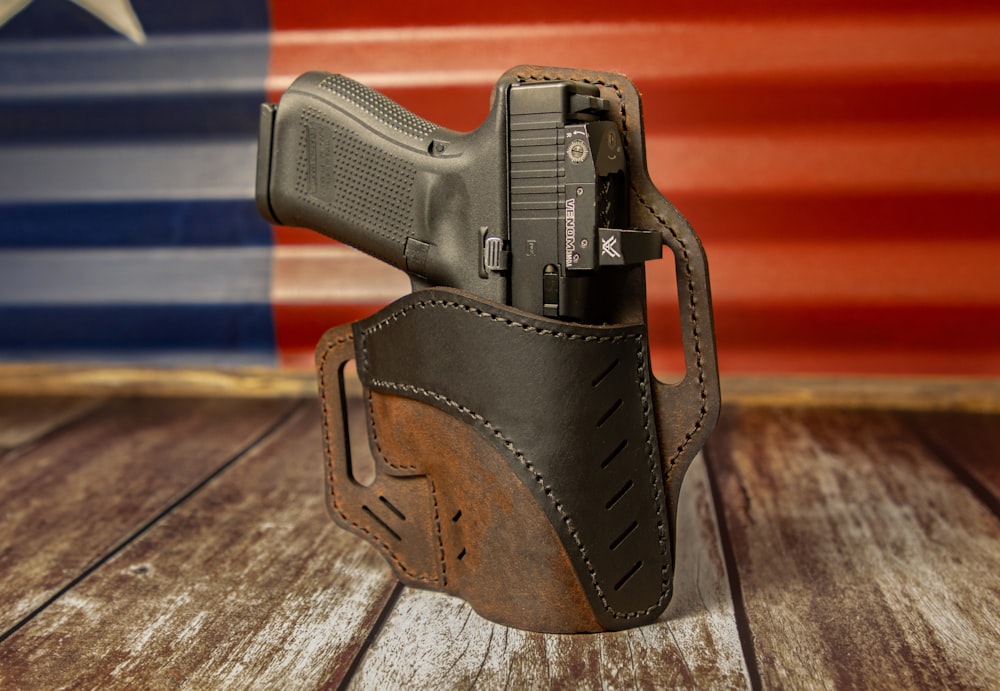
[614, 454]
[461, 555]
[458, 514]
[381, 523]
[618, 495]
[631, 572]
[389, 505]
[604, 375]
[611, 411]
[360, 459]
[621, 538]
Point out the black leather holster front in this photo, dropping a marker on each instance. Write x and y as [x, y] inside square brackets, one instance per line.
[529, 465]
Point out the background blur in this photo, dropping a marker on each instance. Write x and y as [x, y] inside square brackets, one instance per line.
[841, 164]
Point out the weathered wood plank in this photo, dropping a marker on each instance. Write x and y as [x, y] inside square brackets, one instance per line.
[969, 441]
[60, 379]
[862, 561]
[435, 641]
[69, 501]
[248, 584]
[977, 394]
[974, 394]
[24, 419]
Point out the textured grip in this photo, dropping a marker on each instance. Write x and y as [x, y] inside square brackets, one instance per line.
[344, 161]
[352, 179]
[381, 108]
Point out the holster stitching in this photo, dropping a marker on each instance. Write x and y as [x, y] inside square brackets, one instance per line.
[696, 332]
[695, 329]
[328, 448]
[378, 445]
[522, 459]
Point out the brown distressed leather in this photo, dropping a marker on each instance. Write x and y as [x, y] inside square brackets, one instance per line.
[502, 553]
[497, 549]
[445, 510]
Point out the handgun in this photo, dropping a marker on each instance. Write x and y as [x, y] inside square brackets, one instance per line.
[529, 210]
[526, 458]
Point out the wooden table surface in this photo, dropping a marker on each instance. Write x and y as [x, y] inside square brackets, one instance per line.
[184, 543]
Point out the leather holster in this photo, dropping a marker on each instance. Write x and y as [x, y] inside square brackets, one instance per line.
[527, 465]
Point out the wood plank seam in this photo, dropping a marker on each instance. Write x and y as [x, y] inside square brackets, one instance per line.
[863, 561]
[948, 459]
[373, 633]
[129, 539]
[81, 417]
[735, 587]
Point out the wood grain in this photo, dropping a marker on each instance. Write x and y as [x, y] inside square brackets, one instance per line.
[435, 641]
[27, 418]
[248, 584]
[974, 394]
[72, 499]
[863, 562]
[61, 379]
[971, 443]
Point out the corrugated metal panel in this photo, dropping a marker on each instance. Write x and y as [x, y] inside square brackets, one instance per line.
[842, 166]
[127, 230]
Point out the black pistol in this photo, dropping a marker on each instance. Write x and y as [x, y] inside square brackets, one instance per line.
[526, 458]
[528, 210]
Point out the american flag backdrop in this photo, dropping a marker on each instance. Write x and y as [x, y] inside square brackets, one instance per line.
[127, 230]
[841, 163]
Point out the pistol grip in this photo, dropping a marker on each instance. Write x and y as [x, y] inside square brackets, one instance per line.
[348, 162]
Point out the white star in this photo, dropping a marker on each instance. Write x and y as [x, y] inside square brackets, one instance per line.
[118, 14]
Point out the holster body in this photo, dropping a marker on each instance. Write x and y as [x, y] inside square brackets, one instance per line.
[528, 465]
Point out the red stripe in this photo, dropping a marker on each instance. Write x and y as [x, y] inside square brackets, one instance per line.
[955, 340]
[312, 14]
[850, 218]
[861, 273]
[892, 50]
[842, 168]
[287, 235]
[299, 328]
